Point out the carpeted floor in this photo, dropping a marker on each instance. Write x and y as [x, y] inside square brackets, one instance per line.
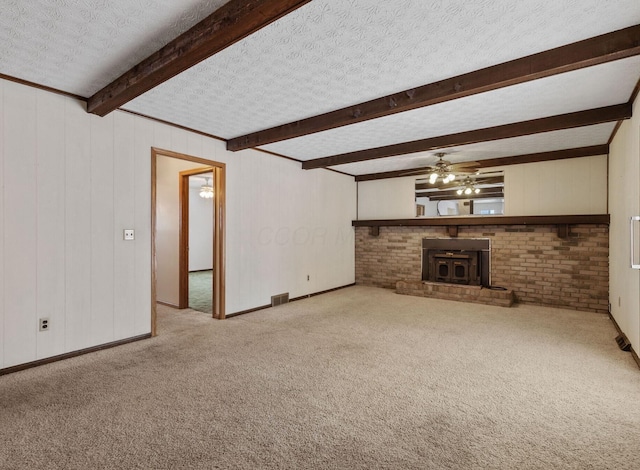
[359, 378]
[201, 291]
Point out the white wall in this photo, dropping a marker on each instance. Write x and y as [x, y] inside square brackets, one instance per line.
[392, 198]
[71, 182]
[200, 231]
[168, 226]
[571, 186]
[624, 202]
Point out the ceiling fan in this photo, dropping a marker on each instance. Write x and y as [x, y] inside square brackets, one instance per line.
[446, 171]
[441, 167]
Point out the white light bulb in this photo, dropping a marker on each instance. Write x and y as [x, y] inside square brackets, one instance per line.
[467, 191]
[459, 191]
[477, 190]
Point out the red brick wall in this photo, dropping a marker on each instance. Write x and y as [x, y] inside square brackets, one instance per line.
[541, 268]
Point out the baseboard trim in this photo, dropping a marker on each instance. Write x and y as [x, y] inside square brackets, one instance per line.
[167, 304]
[633, 352]
[321, 292]
[230, 315]
[242, 312]
[69, 355]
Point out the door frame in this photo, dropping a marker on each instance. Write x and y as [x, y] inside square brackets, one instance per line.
[219, 229]
[183, 231]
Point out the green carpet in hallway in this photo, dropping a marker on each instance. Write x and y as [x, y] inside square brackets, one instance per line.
[200, 290]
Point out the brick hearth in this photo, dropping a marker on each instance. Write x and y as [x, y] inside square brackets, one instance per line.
[533, 261]
[473, 294]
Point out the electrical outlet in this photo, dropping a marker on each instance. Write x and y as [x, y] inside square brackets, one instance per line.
[129, 234]
[44, 324]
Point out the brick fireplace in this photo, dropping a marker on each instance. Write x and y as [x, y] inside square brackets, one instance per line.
[534, 261]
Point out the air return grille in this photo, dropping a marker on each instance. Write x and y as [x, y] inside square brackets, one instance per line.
[279, 299]
[623, 342]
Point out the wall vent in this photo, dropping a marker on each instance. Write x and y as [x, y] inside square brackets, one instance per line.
[279, 299]
[623, 342]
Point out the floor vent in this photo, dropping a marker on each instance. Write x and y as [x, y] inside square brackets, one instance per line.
[623, 342]
[279, 299]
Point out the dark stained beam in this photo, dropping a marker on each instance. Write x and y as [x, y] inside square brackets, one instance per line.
[546, 156]
[600, 49]
[232, 22]
[548, 124]
[514, 160]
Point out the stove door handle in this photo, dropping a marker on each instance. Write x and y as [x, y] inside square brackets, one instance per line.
[633, 219]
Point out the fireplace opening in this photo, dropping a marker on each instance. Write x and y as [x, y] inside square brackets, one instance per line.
[456, 261]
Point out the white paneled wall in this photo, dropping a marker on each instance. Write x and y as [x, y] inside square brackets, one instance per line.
[392, 198]
[2, 260]
[571, 186]
[624, 202]
[71, 182]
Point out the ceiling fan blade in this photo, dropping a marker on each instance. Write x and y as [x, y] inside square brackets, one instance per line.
[465, 165]
[417, 171]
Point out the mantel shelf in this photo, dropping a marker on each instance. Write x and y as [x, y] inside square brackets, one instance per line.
[488, 220]
[561, 221]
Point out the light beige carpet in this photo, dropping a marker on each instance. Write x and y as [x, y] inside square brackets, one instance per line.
[359, 378]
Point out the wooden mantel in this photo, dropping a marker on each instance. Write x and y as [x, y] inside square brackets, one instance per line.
[561, 221]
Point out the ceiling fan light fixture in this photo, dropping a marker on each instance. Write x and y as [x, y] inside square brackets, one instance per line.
[206, 190]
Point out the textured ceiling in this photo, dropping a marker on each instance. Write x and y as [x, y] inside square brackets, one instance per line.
[595, 87]
[79, 46]
[334, 53]
[329, 54]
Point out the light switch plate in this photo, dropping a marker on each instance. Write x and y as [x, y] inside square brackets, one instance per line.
[129, 234]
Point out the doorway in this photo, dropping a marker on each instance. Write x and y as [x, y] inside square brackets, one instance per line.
[217, 170]
[196, 240]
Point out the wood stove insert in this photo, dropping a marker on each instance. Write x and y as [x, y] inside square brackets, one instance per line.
[456, 261]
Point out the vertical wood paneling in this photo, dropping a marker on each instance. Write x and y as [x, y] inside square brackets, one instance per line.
[124, 210]
[624, 202]
[2, 176]
[20, 244]
[178, 140]
[102, 229]
[161, 136]
[50, 179]
[77, 166]
[143, 141]
[392, 198]
[194, 145]
[62, 252]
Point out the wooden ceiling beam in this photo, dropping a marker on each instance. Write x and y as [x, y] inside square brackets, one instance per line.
[535, 126]
[503, 161]
[598, 50]
[232, 22]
